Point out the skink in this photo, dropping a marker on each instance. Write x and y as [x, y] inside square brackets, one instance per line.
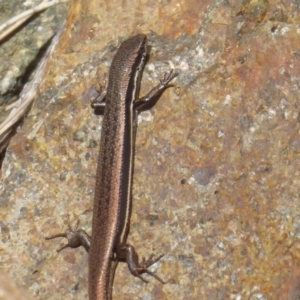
[112, 202]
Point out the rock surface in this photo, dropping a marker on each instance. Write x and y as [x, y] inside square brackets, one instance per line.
[216, 185]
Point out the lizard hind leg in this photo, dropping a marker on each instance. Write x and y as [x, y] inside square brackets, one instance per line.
[126, 253]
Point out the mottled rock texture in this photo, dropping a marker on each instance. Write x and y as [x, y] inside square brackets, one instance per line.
[216, 181]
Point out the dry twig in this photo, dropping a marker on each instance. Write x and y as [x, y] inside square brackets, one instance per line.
[23, 104]
[18, 20]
